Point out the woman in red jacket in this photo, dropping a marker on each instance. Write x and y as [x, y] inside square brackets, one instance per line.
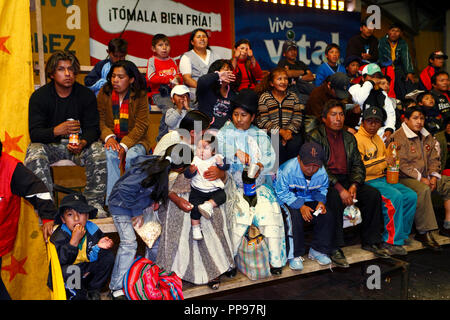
[246, 68]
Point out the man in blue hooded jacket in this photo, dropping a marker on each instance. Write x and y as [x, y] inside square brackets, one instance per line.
[302, 184]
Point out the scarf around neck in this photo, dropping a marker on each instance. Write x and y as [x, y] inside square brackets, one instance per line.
[120, 115]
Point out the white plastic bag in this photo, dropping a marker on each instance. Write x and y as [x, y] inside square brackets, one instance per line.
[352, 215]
[151, 228]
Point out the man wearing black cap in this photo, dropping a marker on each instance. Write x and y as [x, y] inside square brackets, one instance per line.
[334, 87]
[302, 184]
[435, 63]
[398, 201]
[79, 242]
[364, 44]
[298, 72]
[346, 173]
[17, 181]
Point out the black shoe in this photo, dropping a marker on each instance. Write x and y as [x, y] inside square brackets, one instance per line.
[444, 232]
[394, 250]
[377, 250]
[276, 271]
[231, 273]
[214, 283]
[428, 241]
[338, 258]
[93, 295]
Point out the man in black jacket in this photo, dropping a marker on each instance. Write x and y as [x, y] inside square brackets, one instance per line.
[440, 83]
[346, 173]
[364, 44]
[61, 109]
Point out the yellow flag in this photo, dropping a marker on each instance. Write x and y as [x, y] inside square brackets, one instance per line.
[25, 269]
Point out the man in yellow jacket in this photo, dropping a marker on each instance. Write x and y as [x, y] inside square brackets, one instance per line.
[420, 169]
[399, 201]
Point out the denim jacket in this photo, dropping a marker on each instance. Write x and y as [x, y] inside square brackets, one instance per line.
[128, 197]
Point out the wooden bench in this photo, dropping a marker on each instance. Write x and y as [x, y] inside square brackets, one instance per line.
[354, 254]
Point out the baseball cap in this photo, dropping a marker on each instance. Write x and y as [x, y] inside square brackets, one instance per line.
[77, 202]
[372, 69]
[340, 82]
[438, 54]
[311, 153]
[289, 44]
[373, 113]
[179, 89]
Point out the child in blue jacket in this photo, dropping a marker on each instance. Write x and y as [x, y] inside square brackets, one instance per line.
[83, 250]
[302, 184]
[331, 66]
[144, 184]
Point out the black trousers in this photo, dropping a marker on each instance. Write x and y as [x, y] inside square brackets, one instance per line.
[369, 203]
[99, 272]
[197, 197]
[288, 151]
[323, 230]
[4, 295]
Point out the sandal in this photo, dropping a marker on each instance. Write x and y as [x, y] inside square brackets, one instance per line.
[214, 283]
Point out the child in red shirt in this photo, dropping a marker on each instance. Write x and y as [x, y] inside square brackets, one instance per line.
[162, 71]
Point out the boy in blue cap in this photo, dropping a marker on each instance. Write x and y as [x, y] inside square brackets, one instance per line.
[302, 185]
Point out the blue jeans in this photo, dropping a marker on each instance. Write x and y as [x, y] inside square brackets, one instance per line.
[126, 252]
[112, 165]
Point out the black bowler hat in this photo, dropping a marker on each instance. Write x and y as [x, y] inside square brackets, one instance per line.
[77, 202]
[246, 99]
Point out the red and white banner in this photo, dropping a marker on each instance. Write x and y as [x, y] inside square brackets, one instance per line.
[174, 18]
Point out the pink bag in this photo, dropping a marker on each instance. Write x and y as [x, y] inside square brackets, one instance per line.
[146, 281]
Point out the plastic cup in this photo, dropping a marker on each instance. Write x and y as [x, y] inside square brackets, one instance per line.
[252, 170]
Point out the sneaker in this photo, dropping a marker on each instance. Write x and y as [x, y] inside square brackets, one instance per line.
[197, 233]
[101, 213]
[338, 258]
[118, 295]
[320, 257]
[206, 209]
[394, 250]
[296, 263]
[377, 250]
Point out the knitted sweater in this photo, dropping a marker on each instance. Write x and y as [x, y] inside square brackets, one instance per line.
[274, 115]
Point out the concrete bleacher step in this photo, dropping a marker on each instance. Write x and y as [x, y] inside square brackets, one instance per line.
[354, 254]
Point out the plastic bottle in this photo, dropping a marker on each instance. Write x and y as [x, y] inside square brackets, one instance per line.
[249, 188]
[393, 170]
